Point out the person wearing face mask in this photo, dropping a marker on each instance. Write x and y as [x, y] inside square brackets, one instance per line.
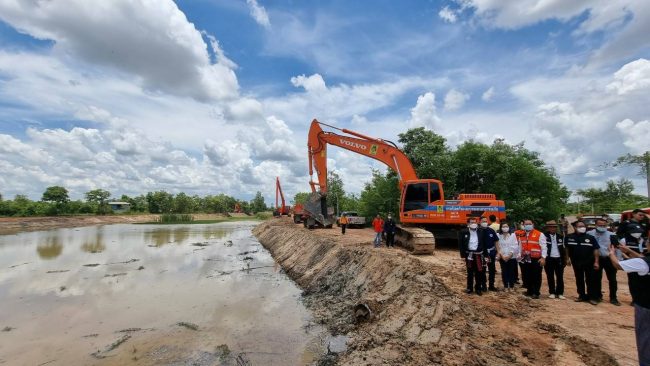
[638, 270]
[389, 229]
[474, 252]
[604, 238]
[631, 231]
[519, 233]
[555, 262]
[533, 254]
[491, 240]
[507, 252]
[584, 254]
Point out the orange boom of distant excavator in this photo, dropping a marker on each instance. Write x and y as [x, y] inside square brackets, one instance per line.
[422, 203]
[283, 209]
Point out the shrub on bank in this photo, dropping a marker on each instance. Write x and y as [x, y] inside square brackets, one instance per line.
[263, 215]
[174, 218]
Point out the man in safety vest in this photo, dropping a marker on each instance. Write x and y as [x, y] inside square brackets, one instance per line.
[532, 247]
[343, 221]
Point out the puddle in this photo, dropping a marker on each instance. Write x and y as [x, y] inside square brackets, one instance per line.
[143, 294]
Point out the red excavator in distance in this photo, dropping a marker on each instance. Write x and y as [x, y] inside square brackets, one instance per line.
[280, 210]
[423, 209]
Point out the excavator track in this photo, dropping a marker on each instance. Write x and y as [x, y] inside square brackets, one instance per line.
[416, 240]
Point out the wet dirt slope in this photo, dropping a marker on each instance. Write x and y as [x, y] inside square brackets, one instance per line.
[414, 318]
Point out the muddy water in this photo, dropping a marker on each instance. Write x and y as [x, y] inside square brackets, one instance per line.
[148, 294]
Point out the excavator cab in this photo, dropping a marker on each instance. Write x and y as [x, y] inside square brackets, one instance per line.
[418, 195]
[423, 203]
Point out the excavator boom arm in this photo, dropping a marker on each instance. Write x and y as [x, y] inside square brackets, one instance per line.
[374, 148]
[278, 192]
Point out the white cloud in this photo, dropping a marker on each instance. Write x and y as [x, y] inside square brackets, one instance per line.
[342, 101]
[152, 40]
[424, 112]
[635, 135]
[632, 77]
[627, 21]
[488, 95]
[259, 13]
[447, 15]
[455, 99]
[313, 83]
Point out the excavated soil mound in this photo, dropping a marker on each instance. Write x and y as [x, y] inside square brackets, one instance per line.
[395, 310]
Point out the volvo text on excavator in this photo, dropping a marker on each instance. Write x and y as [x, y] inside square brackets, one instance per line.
[424, 211]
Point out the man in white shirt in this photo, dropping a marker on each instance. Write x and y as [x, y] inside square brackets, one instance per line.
[638, 268]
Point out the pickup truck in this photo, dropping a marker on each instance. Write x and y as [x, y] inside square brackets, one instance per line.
[354, 220]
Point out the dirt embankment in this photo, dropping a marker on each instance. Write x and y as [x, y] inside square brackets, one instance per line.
[415, 318]
[12, 225]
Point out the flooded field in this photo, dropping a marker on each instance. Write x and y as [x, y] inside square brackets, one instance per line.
[149, 295]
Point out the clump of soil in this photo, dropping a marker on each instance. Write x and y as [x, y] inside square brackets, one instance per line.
[395, 310]
[187, 325]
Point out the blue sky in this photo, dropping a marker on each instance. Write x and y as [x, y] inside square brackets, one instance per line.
[209, 96]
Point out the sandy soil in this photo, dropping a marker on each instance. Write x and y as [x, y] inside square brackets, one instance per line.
[419, 314]
[13, 225]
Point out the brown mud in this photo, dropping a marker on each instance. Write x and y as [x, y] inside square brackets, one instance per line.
[396, 308]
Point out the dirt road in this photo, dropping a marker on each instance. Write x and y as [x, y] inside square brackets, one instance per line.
[504, 328]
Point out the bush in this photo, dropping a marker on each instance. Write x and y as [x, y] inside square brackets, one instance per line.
[175, 218]
[263, 215]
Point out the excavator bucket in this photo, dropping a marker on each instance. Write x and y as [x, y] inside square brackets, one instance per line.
[316, 206]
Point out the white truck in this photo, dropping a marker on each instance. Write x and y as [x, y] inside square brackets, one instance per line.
[354, 220]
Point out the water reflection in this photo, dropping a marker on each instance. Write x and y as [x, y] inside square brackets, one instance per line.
[216, 276]
[51, 249]
[95, 245]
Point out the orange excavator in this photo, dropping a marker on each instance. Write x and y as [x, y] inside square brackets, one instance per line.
[424, 211]
[280, 210]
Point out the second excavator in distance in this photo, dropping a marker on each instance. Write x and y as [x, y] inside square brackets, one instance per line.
[423, 209]
[282, 209]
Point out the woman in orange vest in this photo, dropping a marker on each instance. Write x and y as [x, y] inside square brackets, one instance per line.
[532, 246]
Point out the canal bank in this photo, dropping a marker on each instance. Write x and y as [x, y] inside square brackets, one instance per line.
[394, 308]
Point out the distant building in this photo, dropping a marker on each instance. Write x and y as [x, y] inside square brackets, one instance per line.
[120, 207]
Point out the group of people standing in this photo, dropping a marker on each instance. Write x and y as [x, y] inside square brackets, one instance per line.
[590, 252]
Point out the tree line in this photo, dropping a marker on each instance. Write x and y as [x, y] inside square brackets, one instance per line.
[529, 187]
[56, 201]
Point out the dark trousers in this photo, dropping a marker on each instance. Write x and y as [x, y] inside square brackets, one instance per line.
[475, 270]
[390, 239]
[524, 279]
[585, 277]
[605, 264]
[508, 269]
[641, 326]
[491, 270]
[554, 275]
[532, 273]
[343, 226]
[516, 272]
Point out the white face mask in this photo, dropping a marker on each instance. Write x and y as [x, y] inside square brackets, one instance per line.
[636, 235]
[505, 229]
[484, 224]
[581, 230]
[473, 226]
